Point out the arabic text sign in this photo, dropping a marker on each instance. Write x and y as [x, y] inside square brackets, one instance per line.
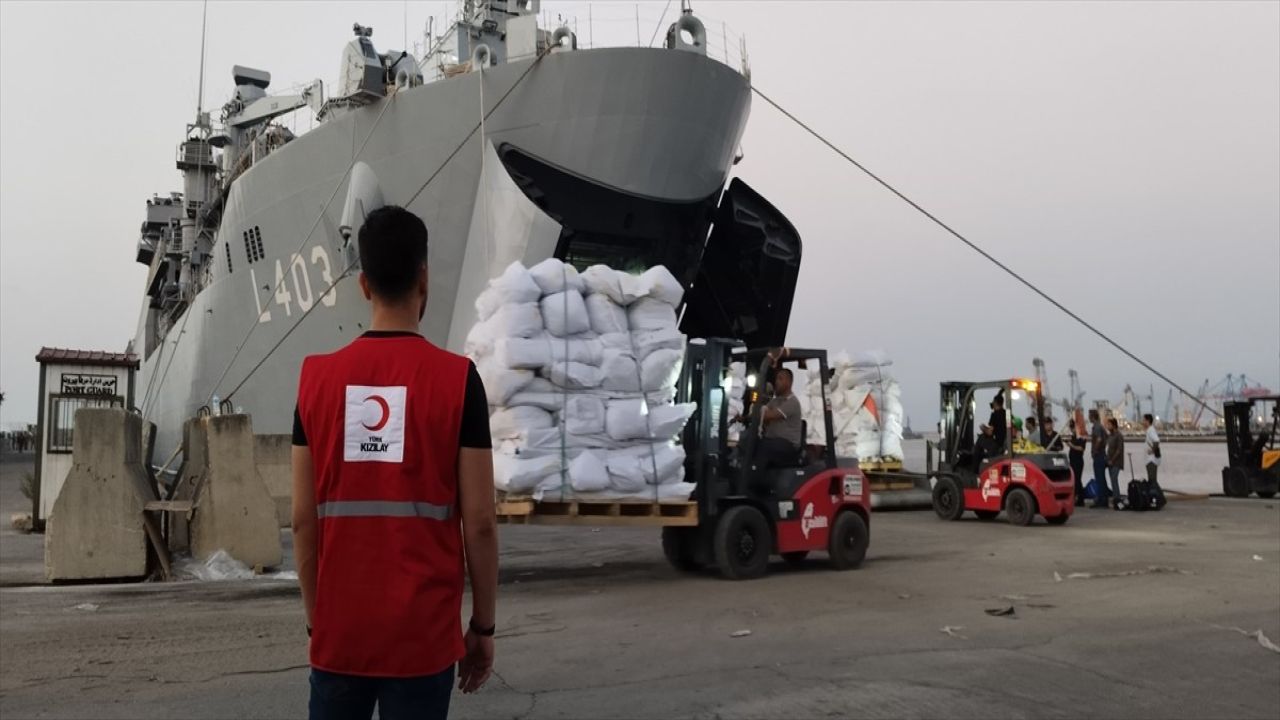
[91, 385]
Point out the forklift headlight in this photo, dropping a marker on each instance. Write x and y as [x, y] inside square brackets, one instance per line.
[751, 380]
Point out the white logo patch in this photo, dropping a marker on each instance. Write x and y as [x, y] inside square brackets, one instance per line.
[374, 424]
[809, 522]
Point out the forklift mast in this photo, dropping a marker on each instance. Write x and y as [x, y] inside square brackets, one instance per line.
[1244, 450]
[706, 379]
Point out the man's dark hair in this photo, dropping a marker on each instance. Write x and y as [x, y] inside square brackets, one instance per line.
[787, 372]
[393, 245]
[1113, 423]
[1149, 418]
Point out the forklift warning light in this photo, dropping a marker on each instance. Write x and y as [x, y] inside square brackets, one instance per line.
[1029, 385]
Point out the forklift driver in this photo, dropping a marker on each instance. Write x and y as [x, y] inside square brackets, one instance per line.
[986, 446]
[781, 417]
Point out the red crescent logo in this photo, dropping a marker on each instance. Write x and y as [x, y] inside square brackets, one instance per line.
[386, 413]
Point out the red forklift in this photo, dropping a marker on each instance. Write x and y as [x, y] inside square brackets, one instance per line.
[748, 513]
[988, 477]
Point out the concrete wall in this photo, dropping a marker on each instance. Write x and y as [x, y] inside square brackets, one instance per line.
[233, 511]
[273, 454]
[95, 528]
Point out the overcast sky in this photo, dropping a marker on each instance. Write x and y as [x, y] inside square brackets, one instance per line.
[1123, 156]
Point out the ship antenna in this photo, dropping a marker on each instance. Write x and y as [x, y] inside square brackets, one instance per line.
[204, 23]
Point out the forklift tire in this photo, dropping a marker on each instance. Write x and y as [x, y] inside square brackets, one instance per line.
[847, 545]
[1266, 494]
[796, 559]
[678, 544]
[743, 542]
[1020, 506]
[948, 498]
[1058, 519]
[987, 514]
[1235, 483]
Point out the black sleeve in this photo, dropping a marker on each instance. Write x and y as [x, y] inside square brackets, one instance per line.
[474, 432]
[299, 436]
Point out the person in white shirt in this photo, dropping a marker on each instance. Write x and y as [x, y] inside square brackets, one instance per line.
[1153, 446]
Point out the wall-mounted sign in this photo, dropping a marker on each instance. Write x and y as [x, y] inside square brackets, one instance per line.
[89, 385]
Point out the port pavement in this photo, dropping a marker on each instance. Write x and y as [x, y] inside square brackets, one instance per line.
[1115, 615]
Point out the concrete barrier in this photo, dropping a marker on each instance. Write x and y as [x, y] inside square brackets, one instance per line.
[96, 528]
[274, 455]
[233, 510]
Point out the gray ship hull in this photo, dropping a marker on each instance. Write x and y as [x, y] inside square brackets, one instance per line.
[659, 124]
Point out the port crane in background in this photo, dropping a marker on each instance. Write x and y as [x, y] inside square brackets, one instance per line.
[1232, 387]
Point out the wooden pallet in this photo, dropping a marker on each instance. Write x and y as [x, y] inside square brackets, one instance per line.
[514, 510]
[885, 465]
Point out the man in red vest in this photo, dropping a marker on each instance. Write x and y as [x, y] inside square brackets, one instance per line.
[392, 496]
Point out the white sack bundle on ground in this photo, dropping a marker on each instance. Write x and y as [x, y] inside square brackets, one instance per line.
[866, 407]
[580, 370]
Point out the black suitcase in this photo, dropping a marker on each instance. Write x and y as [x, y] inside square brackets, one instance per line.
[1144, 495]
[1139, 495]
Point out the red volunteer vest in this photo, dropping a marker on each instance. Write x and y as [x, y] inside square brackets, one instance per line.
[382, 417]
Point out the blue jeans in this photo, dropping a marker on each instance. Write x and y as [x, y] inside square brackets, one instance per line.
[1115, 481]
[348, 697]
[1100, 476]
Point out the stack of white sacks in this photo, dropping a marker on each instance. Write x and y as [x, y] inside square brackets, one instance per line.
[580, 370]
[866, 408]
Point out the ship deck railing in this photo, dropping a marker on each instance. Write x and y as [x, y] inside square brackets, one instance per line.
[605, 25]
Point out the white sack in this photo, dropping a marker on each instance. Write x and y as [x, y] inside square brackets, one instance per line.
[588, 472]
[549, 401]
[537, 352]
[514, 286]
[527, 353]
[665, 421]
[635, 466]
[660, 369]
[658, 283]
[479, 342]
[616, 341]
[565, 314]
[500, 383]
[540, 385]
[621, 372]
[634, 419]
[517, 421]
[620, 287]
[644, 342]
[573, 375]
[515, 320]
[651, 314]
[584, 415]
[516, 474]
[626, 419]
[553, 276]
[624, 473]
[605, 315]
